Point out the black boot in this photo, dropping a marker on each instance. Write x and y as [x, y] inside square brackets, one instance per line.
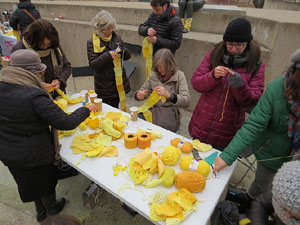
[52, 205]
[41, 212]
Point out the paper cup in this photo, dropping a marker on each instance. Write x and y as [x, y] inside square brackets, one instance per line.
[134, 113]
[85, 93]
[52, 15]
[98, 103]
[93, 97]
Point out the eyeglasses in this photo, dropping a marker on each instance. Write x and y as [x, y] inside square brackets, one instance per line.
[238, 46]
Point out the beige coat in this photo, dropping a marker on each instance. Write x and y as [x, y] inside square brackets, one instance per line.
[167, 114]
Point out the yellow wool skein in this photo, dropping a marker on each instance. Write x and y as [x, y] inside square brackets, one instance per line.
[202, 168]
[171, 155]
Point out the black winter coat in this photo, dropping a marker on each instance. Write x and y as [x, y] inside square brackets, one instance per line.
[25, 116]
[102, 63]
[21, 18]
[168, 30]
[262, 209]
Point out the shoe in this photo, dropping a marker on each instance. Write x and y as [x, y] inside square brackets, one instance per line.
[52, 205]
[60, 204]
[41, 213]
[185, 30]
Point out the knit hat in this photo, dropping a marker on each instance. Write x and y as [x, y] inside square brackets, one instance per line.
[28, 60]
[295, 59]
[238, 30]
[286, 192]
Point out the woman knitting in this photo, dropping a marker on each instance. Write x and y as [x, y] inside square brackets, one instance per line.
[103, 49]
[170, 83]
[272, 130]
[230, 79]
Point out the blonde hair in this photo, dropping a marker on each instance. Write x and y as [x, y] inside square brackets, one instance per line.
[165, 58]
[102, 22]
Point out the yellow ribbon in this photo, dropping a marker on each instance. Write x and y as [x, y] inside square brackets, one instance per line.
[119, 81]
[148, 54]
[151, 101]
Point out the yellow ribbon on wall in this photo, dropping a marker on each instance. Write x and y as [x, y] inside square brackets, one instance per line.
[151, 101]
[148, 54]
[119, 81]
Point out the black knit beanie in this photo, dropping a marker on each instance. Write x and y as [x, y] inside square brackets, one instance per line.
[238, 30]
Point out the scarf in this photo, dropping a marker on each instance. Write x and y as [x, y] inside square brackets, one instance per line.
[234, 61]
[165, 78]
[19, 76]
[58, 68]
[97, 42]
[293, 122]
[148, 54]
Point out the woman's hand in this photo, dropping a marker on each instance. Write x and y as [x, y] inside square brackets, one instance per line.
[113, 54]
[46, 85]
[219, 164]
[163, 92]
[92, 107]
[55, 84]
[141, 94]
[221, 71]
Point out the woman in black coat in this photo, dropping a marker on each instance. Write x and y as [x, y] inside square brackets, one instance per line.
[27, 145]
[101, 50]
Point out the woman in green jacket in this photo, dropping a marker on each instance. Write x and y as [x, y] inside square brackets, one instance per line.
[271, 130]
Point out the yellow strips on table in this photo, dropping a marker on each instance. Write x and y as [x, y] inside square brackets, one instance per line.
[119, 81]
[151, 101]
[148, 54]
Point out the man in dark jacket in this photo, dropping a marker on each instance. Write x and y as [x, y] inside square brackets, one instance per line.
[24, 15]
[163, 27]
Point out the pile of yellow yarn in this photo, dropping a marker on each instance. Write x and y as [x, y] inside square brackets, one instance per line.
[202, 167]
[171, 155]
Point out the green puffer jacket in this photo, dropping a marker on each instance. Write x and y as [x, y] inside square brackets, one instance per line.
[265, 130]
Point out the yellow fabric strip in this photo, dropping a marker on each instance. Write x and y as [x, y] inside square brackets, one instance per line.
[96, 44]
[119, 81]
[148, 54]
[151, 101]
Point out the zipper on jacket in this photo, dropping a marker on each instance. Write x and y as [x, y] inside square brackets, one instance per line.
[264, 145]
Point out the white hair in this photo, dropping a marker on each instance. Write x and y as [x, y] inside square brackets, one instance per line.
[102, 22]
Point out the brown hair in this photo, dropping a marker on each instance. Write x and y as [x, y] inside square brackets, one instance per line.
[40, 29]
[252, 50]
[165, 57]
[293, 91]
[61, 219]
[155, 3]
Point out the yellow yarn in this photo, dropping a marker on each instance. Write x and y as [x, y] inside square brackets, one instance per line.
[62, 103]
[202, 168]
[171, 155]
[168, 177]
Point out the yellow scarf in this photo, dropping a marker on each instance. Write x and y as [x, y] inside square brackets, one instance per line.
[119, 81]
[97, 41]
[148, 54]
[151, 101]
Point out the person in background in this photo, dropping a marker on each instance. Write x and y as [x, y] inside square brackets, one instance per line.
[186, 8]
[25, 14]
[272, 130]
[163, 27]
[281, 205]
[101, 51]
[42, 37]
[27, 145]
[169, 82]
[61, 219]
[230, 79]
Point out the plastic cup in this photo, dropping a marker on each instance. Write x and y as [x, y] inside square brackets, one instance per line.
[98, 103]
[85, 93]
[134, 113]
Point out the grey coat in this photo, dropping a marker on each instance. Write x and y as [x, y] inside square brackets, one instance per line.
[167, 114]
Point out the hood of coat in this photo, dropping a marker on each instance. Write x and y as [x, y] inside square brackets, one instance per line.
[26, 5]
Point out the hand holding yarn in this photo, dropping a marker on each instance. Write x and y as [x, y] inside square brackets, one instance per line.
[221, 71]
[141, 94]
[161, 91]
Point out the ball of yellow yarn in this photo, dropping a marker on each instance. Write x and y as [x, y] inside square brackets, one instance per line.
[202, 168]
[171, 155]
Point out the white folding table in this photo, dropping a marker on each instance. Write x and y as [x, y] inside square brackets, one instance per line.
[100, 170]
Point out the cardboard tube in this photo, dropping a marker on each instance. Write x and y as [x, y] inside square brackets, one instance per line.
[130, 140]
[144, 140]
